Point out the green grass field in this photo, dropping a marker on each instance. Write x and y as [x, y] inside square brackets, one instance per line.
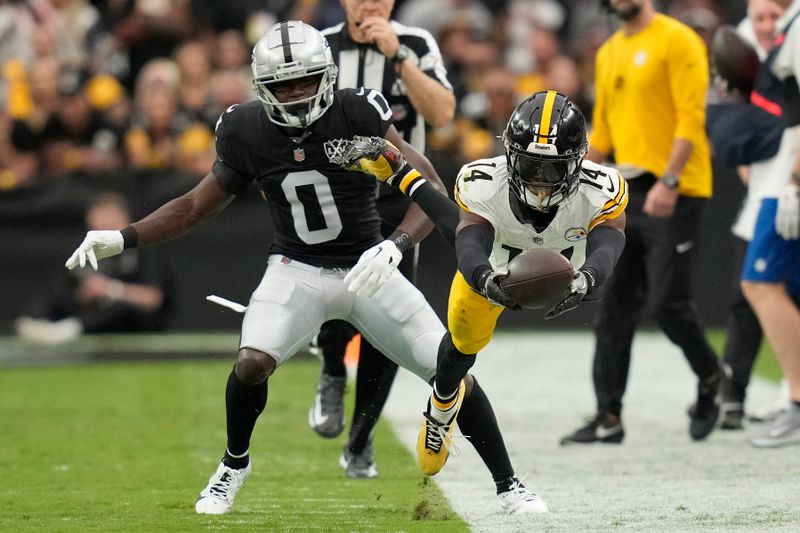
[127, 447]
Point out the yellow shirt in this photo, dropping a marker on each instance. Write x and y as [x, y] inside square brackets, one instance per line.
[651, 89]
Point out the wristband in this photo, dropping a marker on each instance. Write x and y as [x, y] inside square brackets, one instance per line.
[402, 240]
[130, 237]
[480, 275]
[796, 178]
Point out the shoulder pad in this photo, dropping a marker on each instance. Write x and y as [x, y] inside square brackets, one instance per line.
[479, 181]
[605, 189]
[223, 127]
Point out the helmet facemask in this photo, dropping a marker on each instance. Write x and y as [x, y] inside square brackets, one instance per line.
[291, 51]
[545, 143]
[542, 181]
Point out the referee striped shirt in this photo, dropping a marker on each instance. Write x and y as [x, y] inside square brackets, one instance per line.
[363, 65]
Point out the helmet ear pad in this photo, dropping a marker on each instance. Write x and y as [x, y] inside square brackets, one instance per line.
[545, 143]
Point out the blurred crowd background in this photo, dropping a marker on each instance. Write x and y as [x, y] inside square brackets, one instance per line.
[123, 95]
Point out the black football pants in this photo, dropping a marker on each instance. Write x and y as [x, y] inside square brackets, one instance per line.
[742, 331]
[653, 274]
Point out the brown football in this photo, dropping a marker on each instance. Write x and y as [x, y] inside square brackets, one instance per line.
[538, 278]
[734, 59]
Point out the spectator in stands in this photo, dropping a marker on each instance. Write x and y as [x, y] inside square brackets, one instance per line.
[194, 151]
[486, 114]
[194, 86]
[18, 161]
[231, 51]
[130, 293]
[149, 142]
[544, 47]
[76, 140]
[147, 30]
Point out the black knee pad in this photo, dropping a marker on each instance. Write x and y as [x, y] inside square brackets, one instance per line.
[253, 368]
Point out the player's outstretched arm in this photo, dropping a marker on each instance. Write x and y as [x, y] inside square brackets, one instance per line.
[474, 238]
[377, 264]
[604, 244]
[169, 221]
[380, 158]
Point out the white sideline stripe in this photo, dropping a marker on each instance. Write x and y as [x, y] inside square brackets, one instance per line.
[658, 480]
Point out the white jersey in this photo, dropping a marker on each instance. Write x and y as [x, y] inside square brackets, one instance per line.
[482, 188]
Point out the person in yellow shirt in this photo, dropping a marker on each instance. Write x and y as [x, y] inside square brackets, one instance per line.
[651, 82]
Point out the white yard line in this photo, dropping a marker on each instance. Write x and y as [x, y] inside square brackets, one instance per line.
[658, 480]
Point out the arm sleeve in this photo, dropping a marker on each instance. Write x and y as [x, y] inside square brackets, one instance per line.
[473, 246]
[367, 111]
[603, 247]
[442, 211]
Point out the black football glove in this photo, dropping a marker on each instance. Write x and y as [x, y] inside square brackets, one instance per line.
[489, 286]
[582, 284]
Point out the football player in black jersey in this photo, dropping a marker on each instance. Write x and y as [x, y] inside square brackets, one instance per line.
[327, 240]
[405, 65]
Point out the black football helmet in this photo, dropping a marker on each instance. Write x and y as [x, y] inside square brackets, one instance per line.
[545, 143]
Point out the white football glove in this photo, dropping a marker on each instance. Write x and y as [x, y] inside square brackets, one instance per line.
[374, 267]
[787, 219]
[97, 245]
[572, 297]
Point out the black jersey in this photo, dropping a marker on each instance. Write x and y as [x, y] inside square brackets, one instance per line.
[323, 215]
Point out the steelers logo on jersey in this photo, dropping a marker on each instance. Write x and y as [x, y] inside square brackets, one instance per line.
[575, 234]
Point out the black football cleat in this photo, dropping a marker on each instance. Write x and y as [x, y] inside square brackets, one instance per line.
[602, 428]
[732, 415]
[704, 413]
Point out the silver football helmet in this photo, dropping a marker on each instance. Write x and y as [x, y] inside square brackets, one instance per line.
[287, 51]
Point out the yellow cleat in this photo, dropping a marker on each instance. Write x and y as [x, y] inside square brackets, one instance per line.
[435, 438]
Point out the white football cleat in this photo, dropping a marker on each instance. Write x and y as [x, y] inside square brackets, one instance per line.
[519, 500]
[217, 497]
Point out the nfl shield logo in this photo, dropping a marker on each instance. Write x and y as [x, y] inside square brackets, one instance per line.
[299, 155]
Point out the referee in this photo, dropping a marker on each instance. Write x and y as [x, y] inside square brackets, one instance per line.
[405, 65]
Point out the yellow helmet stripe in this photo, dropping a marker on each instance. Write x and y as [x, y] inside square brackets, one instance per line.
[547, 115]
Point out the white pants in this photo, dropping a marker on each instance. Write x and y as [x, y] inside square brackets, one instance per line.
[294, 299]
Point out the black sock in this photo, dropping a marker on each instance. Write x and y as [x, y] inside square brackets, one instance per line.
[504, 485]
[373, 382]
[451, 367]
[477, 421]
[332, 340]
[243, 405]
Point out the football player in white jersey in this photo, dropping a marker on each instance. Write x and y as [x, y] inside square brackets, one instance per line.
[541, 193]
